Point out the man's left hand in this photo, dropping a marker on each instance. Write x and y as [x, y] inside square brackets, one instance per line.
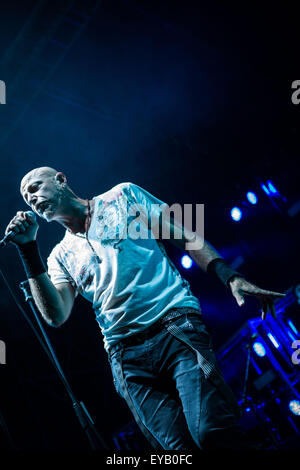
[240, 287]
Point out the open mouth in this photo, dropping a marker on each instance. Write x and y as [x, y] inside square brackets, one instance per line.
[42, 206]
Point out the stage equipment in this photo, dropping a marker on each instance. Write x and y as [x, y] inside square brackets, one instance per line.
[258, 362]
[186, 262]
[86, 422]
[252, 198]
[236, 214]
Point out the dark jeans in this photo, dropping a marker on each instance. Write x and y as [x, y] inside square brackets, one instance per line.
[172, 401]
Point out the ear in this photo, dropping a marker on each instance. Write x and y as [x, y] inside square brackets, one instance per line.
[60, 177]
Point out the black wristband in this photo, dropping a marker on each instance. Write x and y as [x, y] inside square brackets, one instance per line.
[31, 258]
[220, 269]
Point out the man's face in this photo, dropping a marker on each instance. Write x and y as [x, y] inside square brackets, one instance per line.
[42, 191]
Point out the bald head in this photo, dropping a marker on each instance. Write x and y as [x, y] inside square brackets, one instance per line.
[46, 191]
[44, 171]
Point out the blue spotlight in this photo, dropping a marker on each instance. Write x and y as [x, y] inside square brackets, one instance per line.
[274, 341]
[252, 198]
[236, 214]
[292, 326]
[266, 190]
[186, 262]
[271, 187]
[259, 349]
[294, 406]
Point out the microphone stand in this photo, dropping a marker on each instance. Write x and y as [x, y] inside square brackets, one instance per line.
[85, 420]
[246, 376]
[246, 400]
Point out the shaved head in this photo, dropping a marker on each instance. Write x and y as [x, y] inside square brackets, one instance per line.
[37, 172]
[45, 190]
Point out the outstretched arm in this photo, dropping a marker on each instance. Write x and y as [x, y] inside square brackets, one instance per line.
[209, 260]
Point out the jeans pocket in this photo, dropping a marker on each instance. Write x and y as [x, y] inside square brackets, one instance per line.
[192, 325]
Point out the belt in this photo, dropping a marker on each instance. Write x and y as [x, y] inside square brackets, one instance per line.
[150, 331]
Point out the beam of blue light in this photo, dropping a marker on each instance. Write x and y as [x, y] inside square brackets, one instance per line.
[271, 187]
[274, 341]
[259, 349]
[293, 338]
[292, 327]
[266, 190]
[186, 262]
[236, 214]
[294, 406]
[252, 198]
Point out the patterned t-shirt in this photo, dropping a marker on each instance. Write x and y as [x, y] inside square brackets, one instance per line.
[126, 274]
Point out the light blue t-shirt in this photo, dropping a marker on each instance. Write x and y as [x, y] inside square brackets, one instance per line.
[130, 280]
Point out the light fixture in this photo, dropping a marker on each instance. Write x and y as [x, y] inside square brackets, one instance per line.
[294, 406]
[236, 214]
[252, 198]
[259, 349]
[186, 262]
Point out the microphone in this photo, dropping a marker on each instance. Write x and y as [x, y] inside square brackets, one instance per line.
[11, 234]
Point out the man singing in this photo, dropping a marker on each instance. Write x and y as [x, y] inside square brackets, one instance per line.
[158, 346]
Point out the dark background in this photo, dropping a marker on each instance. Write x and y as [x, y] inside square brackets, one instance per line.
[193, 103]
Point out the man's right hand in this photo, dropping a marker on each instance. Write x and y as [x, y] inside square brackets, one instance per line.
[25, 226]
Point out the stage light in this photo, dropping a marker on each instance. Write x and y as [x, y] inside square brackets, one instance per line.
[186, 262]
[297, 293]
[294, 406]
[252, 198]
[236, 214]
[266, 190]
[271, 338]
[292, 326]
[259, 349]
[271, 187]
[293, 338]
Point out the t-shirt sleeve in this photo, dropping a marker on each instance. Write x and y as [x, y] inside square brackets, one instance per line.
[56, 270]
[151, 205]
